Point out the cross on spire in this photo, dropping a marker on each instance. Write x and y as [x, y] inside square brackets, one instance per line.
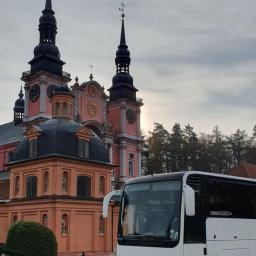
[91, 76]
[122, 9]
[91, 66]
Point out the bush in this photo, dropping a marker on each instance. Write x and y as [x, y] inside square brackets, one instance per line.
[31, 239]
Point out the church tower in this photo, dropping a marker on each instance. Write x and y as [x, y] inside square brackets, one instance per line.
[124, 115]
[46, 69]
[19, 109]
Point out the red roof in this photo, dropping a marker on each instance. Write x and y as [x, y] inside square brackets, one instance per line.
[246, 170]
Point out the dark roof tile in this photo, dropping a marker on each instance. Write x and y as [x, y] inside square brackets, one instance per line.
[9, 133]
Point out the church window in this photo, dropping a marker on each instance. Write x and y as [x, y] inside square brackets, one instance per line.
[46, 182]
[57, 109]
[101, 225]
[83, 187]
[14, 219]
[65, 109]
[17, 185]
[83, 149]
[33, 148]
[45, 220]
[64, 224]
[102, 185]
[31, 187]
[131, 168]
[65, 181]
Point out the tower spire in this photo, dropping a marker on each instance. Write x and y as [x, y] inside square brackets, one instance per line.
[122, 39]
[48, 5]
[122, 83]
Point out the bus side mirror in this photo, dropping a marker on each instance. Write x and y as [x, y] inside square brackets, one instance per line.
[189, 200]
[115, 195]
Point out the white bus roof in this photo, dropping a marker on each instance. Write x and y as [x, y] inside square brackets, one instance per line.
[184, 175]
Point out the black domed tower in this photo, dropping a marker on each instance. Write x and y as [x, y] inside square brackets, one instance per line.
[46, 53]
[124, 114]
[19, 109]
[122, 83]
[46, 70]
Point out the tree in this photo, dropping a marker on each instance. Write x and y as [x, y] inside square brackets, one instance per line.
[183, 149]
[204, 153]
[239, 144]
[30, 239]
[219, 154]
[191, 148]
[254, 132]
[155, 151]
[176, 149]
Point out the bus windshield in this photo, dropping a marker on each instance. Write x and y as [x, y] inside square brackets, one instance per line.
[150, 213]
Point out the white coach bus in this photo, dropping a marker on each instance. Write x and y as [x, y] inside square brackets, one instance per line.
[186, 214]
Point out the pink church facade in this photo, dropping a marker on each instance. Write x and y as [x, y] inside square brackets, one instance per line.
[68, 146]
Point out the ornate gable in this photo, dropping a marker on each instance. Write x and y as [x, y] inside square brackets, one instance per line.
[33, 132]
[84, 134]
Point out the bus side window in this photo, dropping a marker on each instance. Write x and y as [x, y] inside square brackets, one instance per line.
[230, 200]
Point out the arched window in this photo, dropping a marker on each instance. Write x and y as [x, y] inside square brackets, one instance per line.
[101, 225]
[17, 185]
[14, 219]
[45, 219]
[83, 149]
[31, 187]
[64, 224]
[65, 182]
[65, 109]
[57, 109]
[131, 168]
[83, 187]
[102, 185]
[46, 182]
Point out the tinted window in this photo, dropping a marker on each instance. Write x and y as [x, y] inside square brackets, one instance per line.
[216, 197]
[231, 199]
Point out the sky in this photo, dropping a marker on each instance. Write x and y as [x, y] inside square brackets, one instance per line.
[193, 61]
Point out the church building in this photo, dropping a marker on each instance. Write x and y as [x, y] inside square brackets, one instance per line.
[68, 146]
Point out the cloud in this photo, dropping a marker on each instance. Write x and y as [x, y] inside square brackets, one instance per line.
[192, 60]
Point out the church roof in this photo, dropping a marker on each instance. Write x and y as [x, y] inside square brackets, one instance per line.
[247, 170]
[58, 137]
[9, 133]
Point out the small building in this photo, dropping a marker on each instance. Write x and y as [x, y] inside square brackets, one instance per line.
[247, 167]
[246, 170]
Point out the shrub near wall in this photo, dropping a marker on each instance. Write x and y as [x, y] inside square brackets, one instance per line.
[31, 239]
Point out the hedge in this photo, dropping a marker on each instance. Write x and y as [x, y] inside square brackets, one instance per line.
[30, 239]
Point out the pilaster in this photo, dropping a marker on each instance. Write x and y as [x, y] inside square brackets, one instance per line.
[123, 111]
[26, 87]
[123, 148]
[43, 87]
